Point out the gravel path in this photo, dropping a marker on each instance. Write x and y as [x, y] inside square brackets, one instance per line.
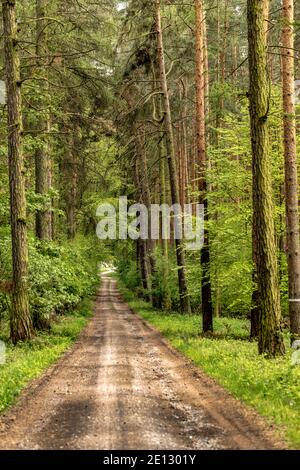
[122, 387]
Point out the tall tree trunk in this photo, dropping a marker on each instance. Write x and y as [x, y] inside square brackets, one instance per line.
[215, 135]
[255, 306]
[270, 334]
[206, 67]
[291, 176]
[166, 295]
[255, 302]
[21, 325]
[177, 149]
[143, 252]
[70, 181]
[146, 199]
[143, 195]
[184, 112]
[182, 281]
[42, 158]
[223, 51]
[207, 309]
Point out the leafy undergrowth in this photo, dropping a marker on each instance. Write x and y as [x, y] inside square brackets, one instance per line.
[272, 387]
[27, 361]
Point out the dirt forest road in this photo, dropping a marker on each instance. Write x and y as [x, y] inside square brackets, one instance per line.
[122, 387]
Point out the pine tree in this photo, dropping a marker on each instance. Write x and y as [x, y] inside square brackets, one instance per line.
[42, 158]
[183, 289]
[21, 327]
[207, 309]
[291, 176]
[270, 334]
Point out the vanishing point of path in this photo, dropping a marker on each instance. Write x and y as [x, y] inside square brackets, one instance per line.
[122, 387]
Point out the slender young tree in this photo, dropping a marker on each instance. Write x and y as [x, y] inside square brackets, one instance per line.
[183, 289]
[42, 158]
[270, 334]
[21, 326]
[291, 176]
[207, 309]
[72, 184]
[143, 193]
[166, 300]
[144, 264]
[145, 196]
[166, 294]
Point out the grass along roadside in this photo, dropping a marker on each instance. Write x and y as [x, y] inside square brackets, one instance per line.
[29, 360]
[272, 387]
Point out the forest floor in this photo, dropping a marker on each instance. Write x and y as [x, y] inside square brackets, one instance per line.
[122, 386]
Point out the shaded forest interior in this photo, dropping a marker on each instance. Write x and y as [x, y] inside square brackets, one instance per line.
[151, 99]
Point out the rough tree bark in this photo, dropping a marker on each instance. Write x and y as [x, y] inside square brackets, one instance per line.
[145, 196]
[184, 197]
[291, 176]
[215, 136]
[166, 295]
[223, 50]
[254, 314]
[42, 158]
[21, 325]
[270, 334]
[207, 309]
[142, 244]
[147, 201]
[182, 281]
[69, 176]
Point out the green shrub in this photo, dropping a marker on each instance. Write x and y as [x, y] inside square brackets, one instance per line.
[270, 387]
[60, 275]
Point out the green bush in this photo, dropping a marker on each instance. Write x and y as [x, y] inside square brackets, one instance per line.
[60, 275]
[270, 387]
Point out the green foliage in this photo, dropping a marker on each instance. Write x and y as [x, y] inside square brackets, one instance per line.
[230, 211]
[271, 387]
[41, 202]
[129, 273]
[127, 267]
[171, 282]
[61, 275]
[230, 206]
